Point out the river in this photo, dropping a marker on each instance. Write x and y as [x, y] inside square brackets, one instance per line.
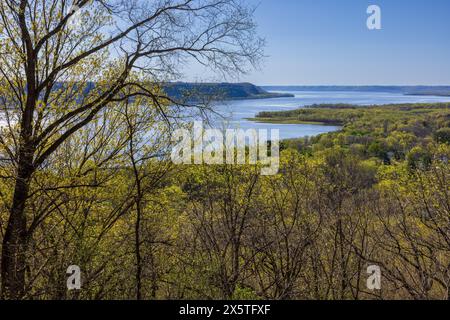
[237, 111]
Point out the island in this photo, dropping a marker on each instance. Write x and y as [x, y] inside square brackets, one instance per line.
[387, 133]
[349, 114]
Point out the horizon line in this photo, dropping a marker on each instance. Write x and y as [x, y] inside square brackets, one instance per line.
[350, 85]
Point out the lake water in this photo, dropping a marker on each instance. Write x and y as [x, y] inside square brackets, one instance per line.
[238, 110]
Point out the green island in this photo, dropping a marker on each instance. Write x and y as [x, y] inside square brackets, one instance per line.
[382, 131]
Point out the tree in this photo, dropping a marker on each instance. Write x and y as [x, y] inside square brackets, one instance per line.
[218, 227]
[412, 234]
[285, 228]
[147, 153]
[442, 135]
[56, 77]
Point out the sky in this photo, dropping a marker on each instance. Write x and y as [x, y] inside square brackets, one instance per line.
[327, 42]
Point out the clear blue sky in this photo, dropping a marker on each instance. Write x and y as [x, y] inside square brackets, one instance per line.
[320, 42]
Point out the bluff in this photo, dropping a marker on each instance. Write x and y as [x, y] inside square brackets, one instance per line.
[218, 91]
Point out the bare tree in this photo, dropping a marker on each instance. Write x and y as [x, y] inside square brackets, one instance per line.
[147, 153]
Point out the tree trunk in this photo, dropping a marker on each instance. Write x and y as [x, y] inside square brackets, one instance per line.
[13, 263]
[138, 250]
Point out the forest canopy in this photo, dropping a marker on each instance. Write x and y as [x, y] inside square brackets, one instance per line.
[86, 182]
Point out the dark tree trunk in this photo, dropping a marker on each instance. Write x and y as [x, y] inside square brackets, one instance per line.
[13, 263]
[138, 249]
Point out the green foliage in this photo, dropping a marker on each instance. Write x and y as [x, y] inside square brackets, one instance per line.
[419, 158]
[376, 192]
[386, 132]
[442, 135]
[245, 294]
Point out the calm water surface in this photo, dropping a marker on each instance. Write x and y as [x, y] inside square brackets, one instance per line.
[237, 111]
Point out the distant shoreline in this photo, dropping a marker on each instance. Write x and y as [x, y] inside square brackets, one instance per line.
[438, 91]
[269, 95]
[292, 121]
[427, 94]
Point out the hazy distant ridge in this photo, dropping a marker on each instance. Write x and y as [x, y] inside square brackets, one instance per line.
[407, 90]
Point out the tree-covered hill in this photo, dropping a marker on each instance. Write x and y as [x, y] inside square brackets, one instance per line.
[218, 91]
